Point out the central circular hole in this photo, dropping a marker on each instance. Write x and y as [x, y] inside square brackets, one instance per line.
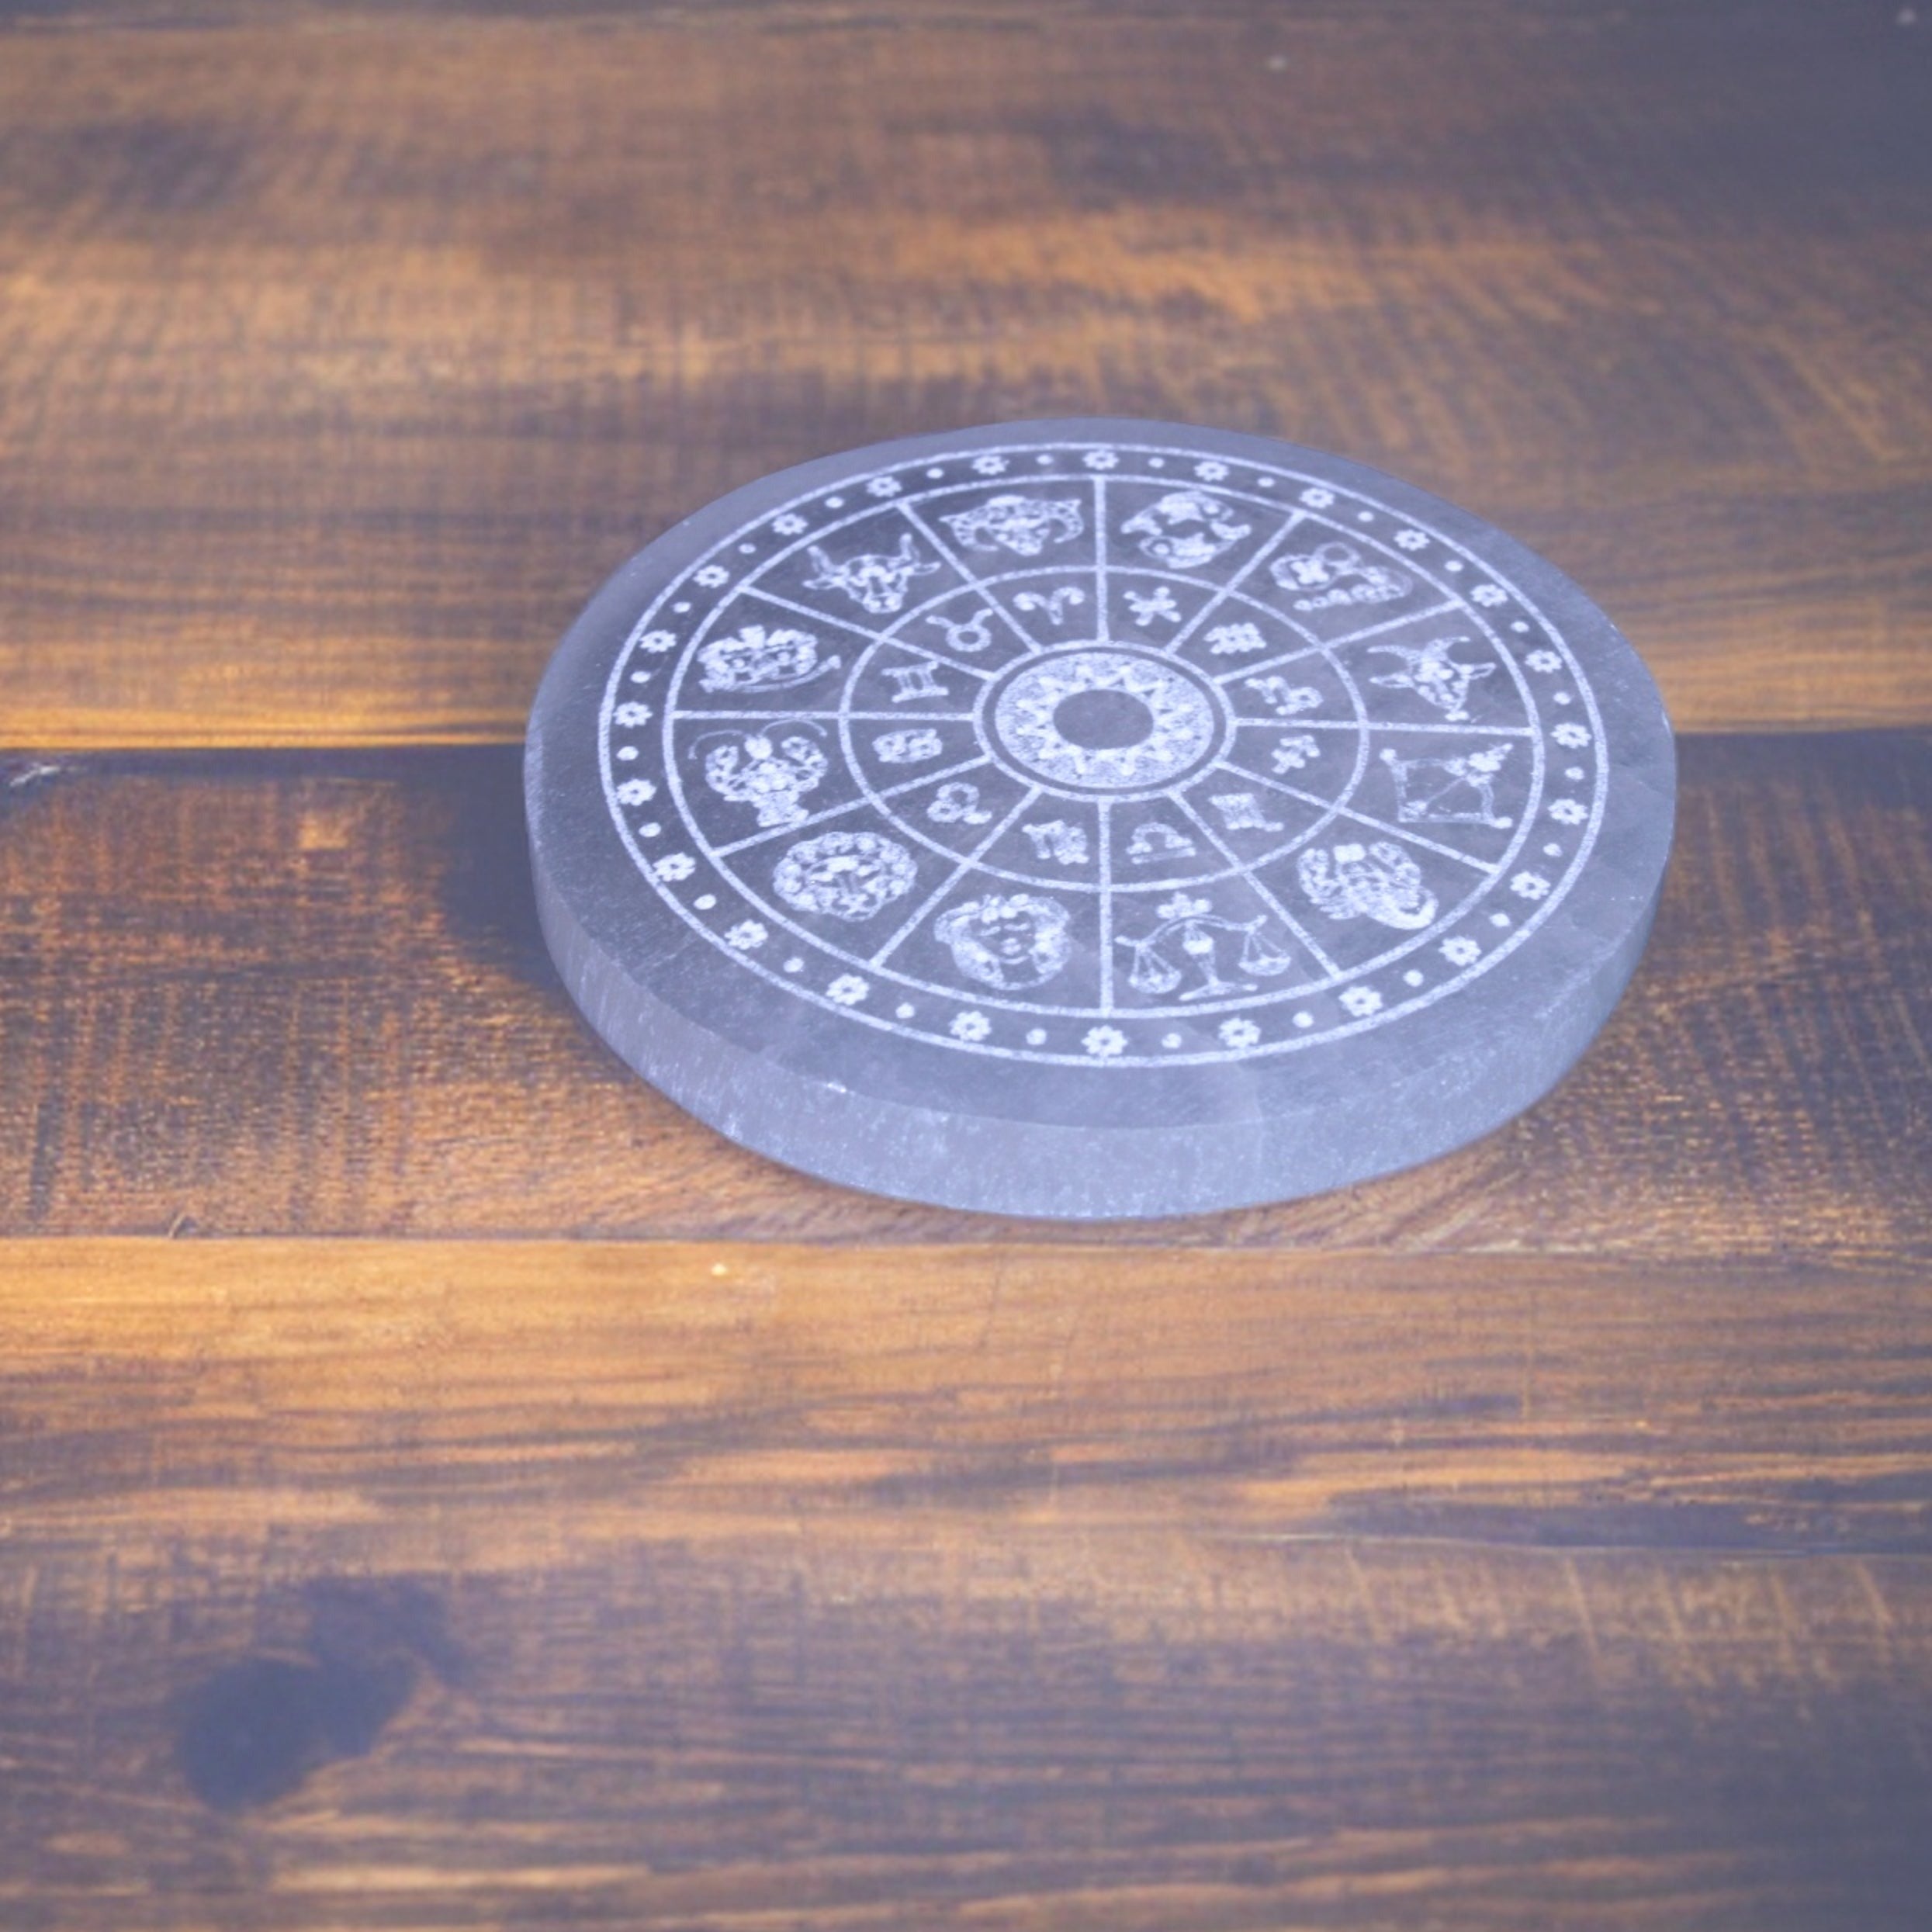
[1102, 720]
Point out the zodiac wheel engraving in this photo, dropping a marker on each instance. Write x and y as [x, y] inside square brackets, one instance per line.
[1101, 753]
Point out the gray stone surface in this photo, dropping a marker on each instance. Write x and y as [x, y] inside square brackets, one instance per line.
[1096, 818]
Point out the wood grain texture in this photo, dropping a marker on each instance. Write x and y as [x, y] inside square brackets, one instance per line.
[263, 993]
[341, 354]
[362, 1585]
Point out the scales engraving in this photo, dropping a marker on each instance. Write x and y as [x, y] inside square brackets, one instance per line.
[1020, 940]
[1191, 929]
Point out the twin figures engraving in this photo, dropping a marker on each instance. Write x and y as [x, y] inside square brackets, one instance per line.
[1016, 941]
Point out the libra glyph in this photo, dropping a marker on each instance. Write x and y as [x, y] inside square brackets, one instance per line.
[1153, 841]
[1198, 932]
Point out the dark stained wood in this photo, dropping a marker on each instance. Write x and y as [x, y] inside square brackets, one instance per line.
[417, 1585]
[256, 994]
[344, 353]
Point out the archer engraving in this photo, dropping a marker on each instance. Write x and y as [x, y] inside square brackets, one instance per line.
[1438, 680]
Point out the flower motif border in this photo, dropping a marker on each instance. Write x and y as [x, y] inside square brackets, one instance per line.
[1403, 980]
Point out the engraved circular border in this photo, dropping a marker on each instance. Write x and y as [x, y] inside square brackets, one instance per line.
[1060, 459]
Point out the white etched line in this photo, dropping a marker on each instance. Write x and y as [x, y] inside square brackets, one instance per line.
[1255, 666]
[1106, 906]
[877, 637]
[1295, 927]
[1234, 584]
[1362, 817]
[834, 811]
[683, 713]
[783, 831]
[972, 577]
[952, 878]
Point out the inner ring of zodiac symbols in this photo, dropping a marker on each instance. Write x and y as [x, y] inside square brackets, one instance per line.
[1102, 755]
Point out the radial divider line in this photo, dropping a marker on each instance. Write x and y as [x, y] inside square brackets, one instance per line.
[834, 811]
[1234, 584]
[1361, 818]
[1367, 725]
[1105, 850]
[972, 575]
[801, 825]
[1295, 927]
[876, 637]
[972, 858]
[1335, 643]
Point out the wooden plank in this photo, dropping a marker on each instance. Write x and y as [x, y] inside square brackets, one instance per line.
[342, 354]
[352, 1585]
[265, 993]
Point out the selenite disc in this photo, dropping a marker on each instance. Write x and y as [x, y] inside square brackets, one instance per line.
[1095, 818]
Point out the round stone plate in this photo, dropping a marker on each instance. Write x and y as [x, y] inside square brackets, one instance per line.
[1095, 818]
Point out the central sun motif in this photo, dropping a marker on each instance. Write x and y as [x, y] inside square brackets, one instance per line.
[1136, 755]
[1104, 720]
